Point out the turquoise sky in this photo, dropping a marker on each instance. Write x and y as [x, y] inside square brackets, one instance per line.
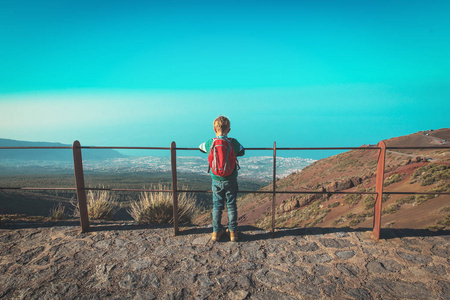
[144, 73]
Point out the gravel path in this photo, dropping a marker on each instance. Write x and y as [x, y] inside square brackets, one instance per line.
[123, 261]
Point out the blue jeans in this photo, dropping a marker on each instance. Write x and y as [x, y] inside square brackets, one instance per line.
[224, 192]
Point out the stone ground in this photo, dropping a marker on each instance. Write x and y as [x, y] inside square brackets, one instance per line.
[125, 261]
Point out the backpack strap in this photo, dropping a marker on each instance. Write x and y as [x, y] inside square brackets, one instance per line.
[228, 151]
[210, 148]
[230, 143]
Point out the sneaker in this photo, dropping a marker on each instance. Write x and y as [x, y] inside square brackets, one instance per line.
[233, 235]
[216, 235]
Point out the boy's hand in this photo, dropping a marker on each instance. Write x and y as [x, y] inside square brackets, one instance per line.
[202, 148]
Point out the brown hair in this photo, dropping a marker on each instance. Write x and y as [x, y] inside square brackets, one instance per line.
[221, 123]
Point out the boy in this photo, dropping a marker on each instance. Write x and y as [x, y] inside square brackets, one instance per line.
[222, 152]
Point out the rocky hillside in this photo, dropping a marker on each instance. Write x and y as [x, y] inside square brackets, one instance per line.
[406, 170]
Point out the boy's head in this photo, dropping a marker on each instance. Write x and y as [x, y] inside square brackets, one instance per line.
[221, 125]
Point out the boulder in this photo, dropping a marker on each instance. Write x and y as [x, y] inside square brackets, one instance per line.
[331, 187]
[289, 205]
[344, 184]
[368, 175]
[356, 181]
[307, 199]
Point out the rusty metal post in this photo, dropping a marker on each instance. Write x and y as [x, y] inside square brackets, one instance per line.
[173, 160]
[274, 185]
[379, 189]
[79, 181]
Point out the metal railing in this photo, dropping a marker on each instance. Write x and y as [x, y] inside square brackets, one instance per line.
[81, 188]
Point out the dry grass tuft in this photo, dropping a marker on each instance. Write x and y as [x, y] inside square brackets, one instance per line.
[101, 205]
[57, 213]
[157, 207]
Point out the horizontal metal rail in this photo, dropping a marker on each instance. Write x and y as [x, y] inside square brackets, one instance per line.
[424, 147]
[127, 148]
[38, 189]
[36, 147]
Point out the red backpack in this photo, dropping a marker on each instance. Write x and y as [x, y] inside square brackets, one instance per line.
[222, 159]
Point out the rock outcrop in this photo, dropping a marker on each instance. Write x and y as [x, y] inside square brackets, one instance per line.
[343, 184]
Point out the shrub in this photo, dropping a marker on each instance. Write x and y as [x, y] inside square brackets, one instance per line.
[352, 199]
[441, 188]
[354, 219]
[317, 220]
[353, 222]
[264, 223]
[334, 204]
[370, 213]
[390, 224]
[436, 227]
[57, 212]
[445, 221]
[157, 207]
[444, 209]
[442, 223]
[405, 200]
[422, 198]
[101, 205]
[392, 208]
[338, 221]
[357, 219]
[350, 216]
[431, 173]
[393, 179]
[369, 202]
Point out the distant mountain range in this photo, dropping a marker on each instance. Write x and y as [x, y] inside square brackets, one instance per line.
[50, 154]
